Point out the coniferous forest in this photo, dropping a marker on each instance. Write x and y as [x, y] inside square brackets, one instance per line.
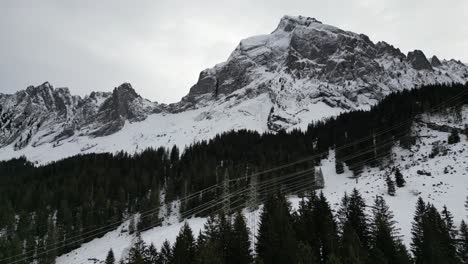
[51, 209]
[314, 234]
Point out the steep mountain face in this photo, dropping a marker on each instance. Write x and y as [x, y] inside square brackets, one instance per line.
[304, 62]
[42, 114]
[303, 71]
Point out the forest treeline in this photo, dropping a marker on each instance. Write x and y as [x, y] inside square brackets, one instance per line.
[313, 234]
[74, 196]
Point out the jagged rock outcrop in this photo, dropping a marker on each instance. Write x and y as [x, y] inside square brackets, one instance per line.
[435, 62]
[43, 114]
[418, 60]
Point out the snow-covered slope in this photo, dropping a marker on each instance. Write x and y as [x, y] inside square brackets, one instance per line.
[447, 184]
[303, 71]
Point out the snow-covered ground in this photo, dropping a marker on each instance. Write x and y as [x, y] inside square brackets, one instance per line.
[167, 129]
[447, 185]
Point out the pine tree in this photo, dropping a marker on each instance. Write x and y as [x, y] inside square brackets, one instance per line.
[326, 236]
[183, 251]
[435, 244]
[276, 240]
[165, 257]
[137, 253]
[353, 213]
[390, 186]
[352, 251]
[454, 137]
[417, 230]
[240, 242]
[448, 220]
[463, 243]
[110, 259]
[152, 255]
[385, 245]
[399, 179]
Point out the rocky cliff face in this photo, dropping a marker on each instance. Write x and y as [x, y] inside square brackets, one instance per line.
[303, 71]
[43, 114]
[304, 61]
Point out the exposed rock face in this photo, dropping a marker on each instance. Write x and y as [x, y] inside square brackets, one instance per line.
[53, 115]
[418, 60]
[435, 62]
[305, 61]
[303, 71]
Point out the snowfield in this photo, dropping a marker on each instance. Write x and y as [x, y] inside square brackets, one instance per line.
[168, 129]
[447, 185]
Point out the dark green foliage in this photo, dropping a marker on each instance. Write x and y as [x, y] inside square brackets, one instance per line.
[276, 241]
[432, 242]
[315, 226]
[417, 229]
[110, 259]
[352, 214]
[240, 242]
[390, 186]
[165, 256]
[463, 243]
[454, 137]
[305, 254]
[183, 251]
[385, 245]
[399, 179]
[352, 250]
[138, 252]
[339, 167]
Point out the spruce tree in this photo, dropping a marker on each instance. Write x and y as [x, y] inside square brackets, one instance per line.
[454, 137]
[399, 179]
[137, 253]
[183, 251]
[385, 244]
[390, 186]
[448, 220]
[352, 251]
[240, 242]
[276, 240]
[325, 236]
[352, 212]
[417, 230]
[165, 257]
[110, 259]
[435, 244]
[152, 255]
[339, 167]
[462, 249]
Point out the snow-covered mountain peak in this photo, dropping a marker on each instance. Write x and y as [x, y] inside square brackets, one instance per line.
[289, 23]
[301, 72]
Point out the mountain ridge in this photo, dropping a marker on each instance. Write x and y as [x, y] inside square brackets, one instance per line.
[301, 72]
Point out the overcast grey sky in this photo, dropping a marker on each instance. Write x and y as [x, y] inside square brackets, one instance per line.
[160, 46]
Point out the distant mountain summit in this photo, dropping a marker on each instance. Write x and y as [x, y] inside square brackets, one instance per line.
[302, 72]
